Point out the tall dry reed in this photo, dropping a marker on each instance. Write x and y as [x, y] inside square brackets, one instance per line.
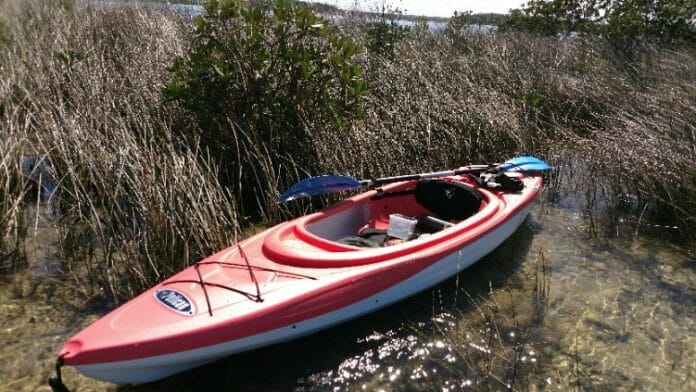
[454, 97]
[12, 189]
[80, 85]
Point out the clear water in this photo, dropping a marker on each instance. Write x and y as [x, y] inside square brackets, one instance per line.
[551, 309]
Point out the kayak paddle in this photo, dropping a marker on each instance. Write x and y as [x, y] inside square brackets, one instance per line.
[333, 183]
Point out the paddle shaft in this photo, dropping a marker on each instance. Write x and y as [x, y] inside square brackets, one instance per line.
[423, 176]
[338, 183]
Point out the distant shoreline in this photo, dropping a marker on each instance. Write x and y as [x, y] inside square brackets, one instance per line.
[328, 9]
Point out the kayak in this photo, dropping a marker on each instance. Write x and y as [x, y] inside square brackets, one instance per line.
[304, 275]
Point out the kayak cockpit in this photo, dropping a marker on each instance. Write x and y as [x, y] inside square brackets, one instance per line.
[315, 240]
[400, 214]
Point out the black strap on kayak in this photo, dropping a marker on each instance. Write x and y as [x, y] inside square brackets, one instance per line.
[247, 265]
[209, 284]
[56, 383]
[284, 274]
[251, 274]
[205, 291]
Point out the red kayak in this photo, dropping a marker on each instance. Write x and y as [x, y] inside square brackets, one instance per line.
[304, 275]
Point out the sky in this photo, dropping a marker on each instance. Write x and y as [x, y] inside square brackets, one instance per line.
[443, 8]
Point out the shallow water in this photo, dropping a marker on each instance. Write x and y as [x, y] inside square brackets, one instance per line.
[550, 309]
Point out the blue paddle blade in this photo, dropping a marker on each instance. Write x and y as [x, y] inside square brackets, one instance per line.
[319, 185]
[524, 163]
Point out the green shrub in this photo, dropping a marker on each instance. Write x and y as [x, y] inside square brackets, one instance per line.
[460, 20]
[261, 78]
[553, 17]
[670, 21]
[382, 36]
[622, 22]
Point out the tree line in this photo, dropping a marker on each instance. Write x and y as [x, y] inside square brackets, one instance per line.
[671, 22]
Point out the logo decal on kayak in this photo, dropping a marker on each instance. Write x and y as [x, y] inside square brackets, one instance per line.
[175, 301]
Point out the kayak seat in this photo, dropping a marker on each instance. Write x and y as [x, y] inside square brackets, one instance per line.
[448, 200]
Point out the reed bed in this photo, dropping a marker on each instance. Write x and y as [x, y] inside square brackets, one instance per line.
[624, 124]
[80, 87]
[140, 197]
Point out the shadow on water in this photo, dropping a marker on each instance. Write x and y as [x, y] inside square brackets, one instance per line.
[314, 362]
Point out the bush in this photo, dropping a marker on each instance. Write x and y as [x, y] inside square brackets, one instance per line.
[622, 22]
[382, 36]
[260, 78]
[670, 22]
